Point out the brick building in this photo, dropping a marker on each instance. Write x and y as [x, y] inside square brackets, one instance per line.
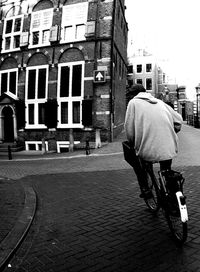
[62, 71]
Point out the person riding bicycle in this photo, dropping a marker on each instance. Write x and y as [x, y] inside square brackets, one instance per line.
[151, 126]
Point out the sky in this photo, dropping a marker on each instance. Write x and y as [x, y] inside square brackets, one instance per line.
[170, 29]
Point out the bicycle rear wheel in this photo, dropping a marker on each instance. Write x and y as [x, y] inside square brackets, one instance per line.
[152, 202]
[177, 222]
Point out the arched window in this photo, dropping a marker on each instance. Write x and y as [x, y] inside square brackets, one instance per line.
[74, 19]
[12, 30]
[41, 22]
[36, 91]
[70, 89]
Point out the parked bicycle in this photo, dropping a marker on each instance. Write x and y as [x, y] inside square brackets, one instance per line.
[166, 192]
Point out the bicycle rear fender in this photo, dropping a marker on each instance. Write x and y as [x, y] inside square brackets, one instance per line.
[182, 205]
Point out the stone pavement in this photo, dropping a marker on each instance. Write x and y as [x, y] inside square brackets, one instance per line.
[99, 201]
[95, 221]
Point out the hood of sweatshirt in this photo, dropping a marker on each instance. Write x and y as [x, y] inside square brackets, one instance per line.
[147, 97]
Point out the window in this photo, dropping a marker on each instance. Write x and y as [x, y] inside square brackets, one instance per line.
[8, 81]
[139, 81]
[148, 67]
[11, 33]
[41, 23]
[70, 94]
[36, 96]
[139, 68]
[149, 84]
[130, 69]
[74, 20]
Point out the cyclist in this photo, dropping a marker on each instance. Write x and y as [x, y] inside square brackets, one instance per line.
[151, 126]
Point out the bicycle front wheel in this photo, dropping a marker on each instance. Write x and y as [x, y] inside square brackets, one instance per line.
[176, 215]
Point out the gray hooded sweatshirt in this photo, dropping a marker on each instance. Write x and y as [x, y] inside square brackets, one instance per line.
[149, 124]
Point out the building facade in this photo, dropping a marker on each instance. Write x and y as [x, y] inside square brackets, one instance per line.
[62, 71]
[145, 71]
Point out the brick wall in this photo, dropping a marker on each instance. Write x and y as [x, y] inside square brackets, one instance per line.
[97, 52]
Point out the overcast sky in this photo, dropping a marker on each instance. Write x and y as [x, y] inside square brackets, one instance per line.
[170, 29]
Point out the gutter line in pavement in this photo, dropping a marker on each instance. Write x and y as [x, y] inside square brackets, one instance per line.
[13, 240]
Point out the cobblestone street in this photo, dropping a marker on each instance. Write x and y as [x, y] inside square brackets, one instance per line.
[90, 218]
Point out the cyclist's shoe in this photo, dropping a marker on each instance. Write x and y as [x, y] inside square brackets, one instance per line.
[146, 194]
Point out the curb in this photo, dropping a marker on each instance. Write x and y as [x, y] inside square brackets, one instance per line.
[13, 240]
[64, 157]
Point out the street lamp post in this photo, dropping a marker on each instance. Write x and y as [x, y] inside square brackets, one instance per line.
[197, 94]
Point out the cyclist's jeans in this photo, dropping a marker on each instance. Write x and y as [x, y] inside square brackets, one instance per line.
[140, 173]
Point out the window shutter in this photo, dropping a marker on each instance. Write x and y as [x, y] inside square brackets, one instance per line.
[90, 29]
[24, 39]
[54, 33]
[51, 113]
[87, 112]
[20, 113]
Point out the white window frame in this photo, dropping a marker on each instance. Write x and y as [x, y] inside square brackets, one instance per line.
[8, 81]
[73, 16]
[12, 34]
[37, 145]
[36, 101]
[70, 99]
[41, 27]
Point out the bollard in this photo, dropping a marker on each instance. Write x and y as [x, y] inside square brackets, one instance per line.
[9, 153]
[87, 147]
[43, 146]
[71, 140]
[98, 138]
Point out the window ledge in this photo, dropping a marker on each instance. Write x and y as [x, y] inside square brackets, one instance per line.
[39, 45]
[10, 50]
[36, 127]
[70, 126]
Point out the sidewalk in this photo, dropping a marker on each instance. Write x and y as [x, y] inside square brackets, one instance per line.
[106, 148]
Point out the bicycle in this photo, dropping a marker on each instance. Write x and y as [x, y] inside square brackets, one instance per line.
[166, 192]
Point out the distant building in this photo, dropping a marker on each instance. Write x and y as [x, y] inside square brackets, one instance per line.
[62, 71]
[145, 71]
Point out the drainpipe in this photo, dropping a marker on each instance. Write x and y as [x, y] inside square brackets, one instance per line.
[97, 40]
[111, 73]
